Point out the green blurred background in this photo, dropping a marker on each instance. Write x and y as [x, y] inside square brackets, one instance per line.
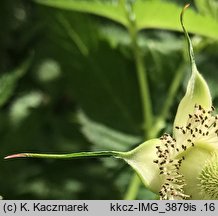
[69, 83]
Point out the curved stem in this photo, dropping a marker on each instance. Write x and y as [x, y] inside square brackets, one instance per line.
[176, 81]
[190, 48]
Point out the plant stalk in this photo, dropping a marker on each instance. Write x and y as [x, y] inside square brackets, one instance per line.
[143, 81]
[133, 187]
[158, 125]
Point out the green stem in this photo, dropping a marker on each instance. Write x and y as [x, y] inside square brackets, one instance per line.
[143, 82]
[144, 90]
[172, 91]
[169, 101]
[133, 188]
[140, 70]
[70, 156]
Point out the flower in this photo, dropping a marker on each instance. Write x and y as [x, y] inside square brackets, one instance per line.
[181, 166]
[185, 165]
[189, 162]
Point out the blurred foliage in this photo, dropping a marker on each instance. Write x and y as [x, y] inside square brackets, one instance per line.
[68, 83]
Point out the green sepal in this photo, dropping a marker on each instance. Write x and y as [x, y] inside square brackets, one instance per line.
[141, 159]
[76, 155]
[197, 91]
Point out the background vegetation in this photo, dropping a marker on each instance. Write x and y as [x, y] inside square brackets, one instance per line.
[83, 75]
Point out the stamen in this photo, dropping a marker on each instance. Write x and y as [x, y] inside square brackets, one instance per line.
[201, 127]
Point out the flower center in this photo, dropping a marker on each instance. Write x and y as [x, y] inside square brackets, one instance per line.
[209, 178]
[201, 127]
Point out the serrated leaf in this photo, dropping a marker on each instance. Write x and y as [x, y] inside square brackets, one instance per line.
[153, 14]
[158, 14]
[104, 137]
[110, 10]
[208, 7]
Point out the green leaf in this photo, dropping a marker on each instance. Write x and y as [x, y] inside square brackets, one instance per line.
[197, 90]
[109, 10]
[105, 73]
[209, 7]
[153, 14]
[164, 15]
[202, 6]
[9, 80]
[95, 78]
[105, 137]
